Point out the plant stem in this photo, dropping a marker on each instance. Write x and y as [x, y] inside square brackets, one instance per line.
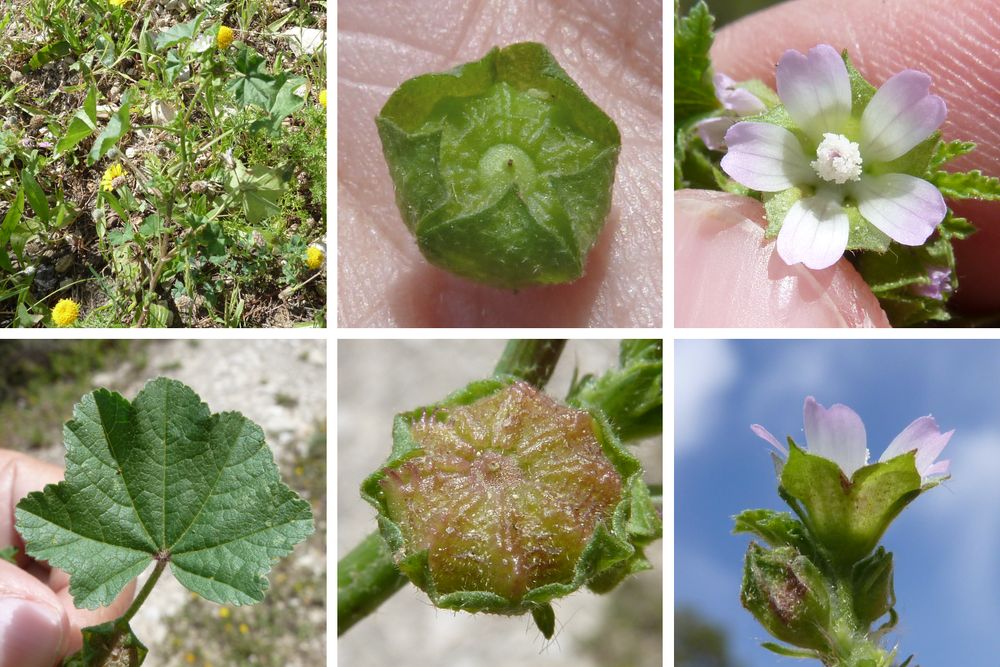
[144, 593]
[531, 360]
[367, 576]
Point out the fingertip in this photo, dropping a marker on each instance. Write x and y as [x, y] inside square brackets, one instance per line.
[726, 274]
[34, 627]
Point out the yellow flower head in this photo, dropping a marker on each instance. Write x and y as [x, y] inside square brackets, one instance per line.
[112, 173]
[314, 257]
[118, 3]
[225, 37]
[244, 628]
[65, 312]
[322, 97]
[224, 612]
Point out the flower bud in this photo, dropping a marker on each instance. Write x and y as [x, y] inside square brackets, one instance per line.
[787, 594]
[500, 499]
[874, 595]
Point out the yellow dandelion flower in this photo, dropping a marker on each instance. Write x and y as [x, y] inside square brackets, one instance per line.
[225, 37]
[112, 173]
[322, 97]
[65, 313]
[244, 628]
[190, 658]
[224, 612]
[314, 257]
[118, 3]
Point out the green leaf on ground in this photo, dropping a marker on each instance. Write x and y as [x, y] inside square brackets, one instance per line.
[258, 190]
[36, 196]
[162, 478]
[118, 126]
[10, 222]
[48, 53]
[178, 33]
[253, 86]
[82, 125]
[284, 104]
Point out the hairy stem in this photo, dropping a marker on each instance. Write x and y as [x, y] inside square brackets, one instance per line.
[367, 576]
[531, 360]
[144, 593]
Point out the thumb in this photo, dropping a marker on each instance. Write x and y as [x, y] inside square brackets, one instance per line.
[727, 275]
[33, 623]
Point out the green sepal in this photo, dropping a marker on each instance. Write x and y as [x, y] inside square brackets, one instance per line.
[613, 551]
[789, 652]
[872, 586]
[631, 395]
[538, 230]
[777, 205]
[9, 554]
[545, 619]
[788, 595]
[778, 529]
[848, 516]
[112, 644]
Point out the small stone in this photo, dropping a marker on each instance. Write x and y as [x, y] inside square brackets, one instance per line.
[64, 263]
[130, 152]
[16, 77]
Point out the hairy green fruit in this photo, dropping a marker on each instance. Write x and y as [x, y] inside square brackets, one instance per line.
[503, 168]
[500, 499]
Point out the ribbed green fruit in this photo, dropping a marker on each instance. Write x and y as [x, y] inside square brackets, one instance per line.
[500, 499]
[503, 168]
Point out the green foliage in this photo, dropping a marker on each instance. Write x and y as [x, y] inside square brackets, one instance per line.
[9, 554]
[694, 93]
[163, 479]
[118, 126]
[967, 185]
[82, 125]
[257, 190]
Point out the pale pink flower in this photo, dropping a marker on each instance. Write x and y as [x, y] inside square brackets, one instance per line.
[736, 102]
[838, 434]
[839, 157]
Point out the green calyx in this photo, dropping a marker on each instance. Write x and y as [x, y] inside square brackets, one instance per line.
[847, 517]
[503, 168]
[499, 500]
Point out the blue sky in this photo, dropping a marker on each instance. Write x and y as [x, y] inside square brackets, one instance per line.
[946, 544]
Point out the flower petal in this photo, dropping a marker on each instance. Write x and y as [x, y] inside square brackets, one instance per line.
[922, 435]
[836, 434]
[815, 232]
[765, 157]
[815, 89]
[713, 131]
[738, 100]
[764, 434]
[939, 469]
[900, 115]
[905, 207]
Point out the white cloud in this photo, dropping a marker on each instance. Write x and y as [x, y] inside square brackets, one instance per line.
[704, 371]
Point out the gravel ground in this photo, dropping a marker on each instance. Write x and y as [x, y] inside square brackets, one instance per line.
[380, 378]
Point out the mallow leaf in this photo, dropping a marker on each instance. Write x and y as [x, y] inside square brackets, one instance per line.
[163, 478]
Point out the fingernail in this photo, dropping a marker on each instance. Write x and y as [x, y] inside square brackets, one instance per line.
[31, 634]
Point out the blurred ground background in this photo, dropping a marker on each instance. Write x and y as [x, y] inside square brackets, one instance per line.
[378, 379]
[280, 385]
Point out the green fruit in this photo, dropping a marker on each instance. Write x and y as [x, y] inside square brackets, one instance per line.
[500, 499]
[503, 168]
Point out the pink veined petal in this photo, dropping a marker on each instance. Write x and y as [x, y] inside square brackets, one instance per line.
[816, 89]
[939, 469]
[905, 207]
[738, 100]
[836, 434]
[764, 434]
[900, 115]
[713, 131]
[765, 157]
[814, 232]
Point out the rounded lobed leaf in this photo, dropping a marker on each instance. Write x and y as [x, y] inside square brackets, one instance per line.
[503, 167]
[163, 478]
